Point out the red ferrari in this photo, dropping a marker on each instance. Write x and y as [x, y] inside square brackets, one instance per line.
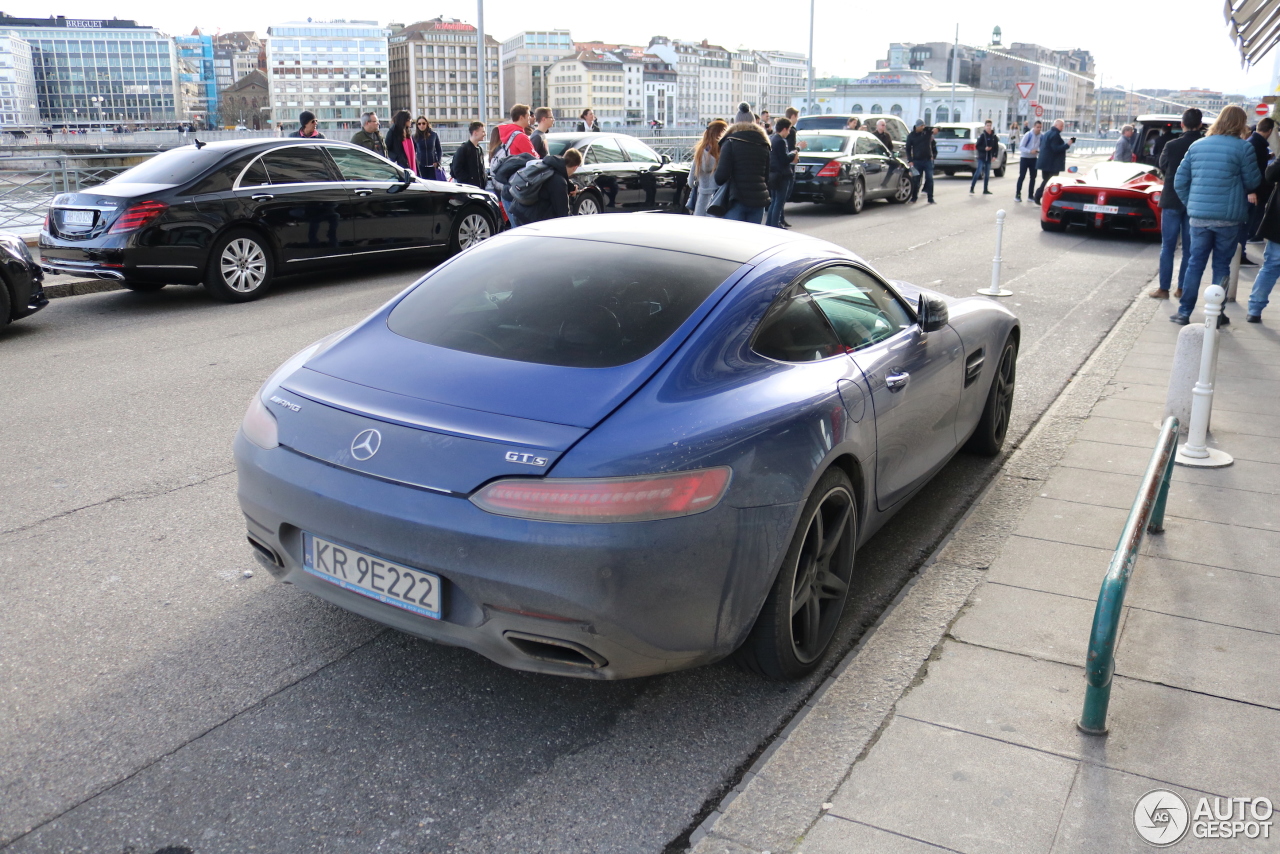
[1117, 196]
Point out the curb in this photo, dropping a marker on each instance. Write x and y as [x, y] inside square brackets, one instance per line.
[79, 287]
[778, 799]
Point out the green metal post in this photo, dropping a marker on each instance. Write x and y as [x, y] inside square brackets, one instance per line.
[1156, 525]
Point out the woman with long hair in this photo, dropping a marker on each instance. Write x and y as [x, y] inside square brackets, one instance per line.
[744, 165]
[702, 174]
[1216, 181]
[400, 144]
[426, 146]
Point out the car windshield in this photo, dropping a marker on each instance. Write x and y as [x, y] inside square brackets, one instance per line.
[556, 301]
[823, 143]
[176, 166]
[1115, 173]
[822, 122]
[953, 133]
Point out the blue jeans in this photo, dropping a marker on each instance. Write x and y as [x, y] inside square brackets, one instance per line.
[741, 213]
[1266, 279]
[1174, 224]
[1223, 243]
[1026, 165]
[779, 189]
[983, 168]
[925, 168]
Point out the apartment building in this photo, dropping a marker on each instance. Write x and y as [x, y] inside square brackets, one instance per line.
[435, 72]
[527, 58]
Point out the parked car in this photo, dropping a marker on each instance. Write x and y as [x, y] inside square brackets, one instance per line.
[1112, 195]
[894, 126]
[958, 149]
[662, 447]
[621, 173]
[847, 168]
[1149, 128]
[21, 288]
[233, 215]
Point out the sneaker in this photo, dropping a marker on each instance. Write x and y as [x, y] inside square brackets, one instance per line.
[1180, 319]
[932, 202]
[987, 193]
[1159, 294]
[1018, 197]
[1246, 261]
[1253, 318]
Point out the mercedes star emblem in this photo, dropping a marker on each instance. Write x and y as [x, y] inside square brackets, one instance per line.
[365, 444]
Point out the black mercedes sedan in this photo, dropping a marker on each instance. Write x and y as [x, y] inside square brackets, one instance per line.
[21, 291]
[848, 167]
[621, 173]
[233, 215]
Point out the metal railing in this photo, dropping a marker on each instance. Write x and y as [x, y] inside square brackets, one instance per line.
[1146, 515]
[29, 184]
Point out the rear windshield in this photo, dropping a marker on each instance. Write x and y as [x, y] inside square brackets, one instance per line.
[953, 133]
[176, 166]
[554, 301]
[558, 146]
[823, 143]
[822, 122]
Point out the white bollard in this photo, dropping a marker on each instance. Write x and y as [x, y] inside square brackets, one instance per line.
[1196, 451]
[1183, 375]
[995, 290]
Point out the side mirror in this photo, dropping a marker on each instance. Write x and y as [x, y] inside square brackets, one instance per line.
[665, 159]
[932, 313]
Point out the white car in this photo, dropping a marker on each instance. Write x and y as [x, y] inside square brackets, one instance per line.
[958, 149]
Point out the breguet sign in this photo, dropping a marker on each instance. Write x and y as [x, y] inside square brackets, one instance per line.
[85, 25]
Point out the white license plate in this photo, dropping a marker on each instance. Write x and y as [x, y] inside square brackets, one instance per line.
[801, 169]
[77, 217]
[946, 148]
[1111, 209]
[390, 583]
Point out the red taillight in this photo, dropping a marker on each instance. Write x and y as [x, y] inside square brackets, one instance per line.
[137, 216]
[1054, 189]
[968, 146]
[831, 170]
[608, 499]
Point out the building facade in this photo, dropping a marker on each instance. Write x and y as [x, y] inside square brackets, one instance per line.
[1057, 82]
[785, 75]
[90, 72]
[745, 80]
[197, 82]
[335, 69]
[18, 101]
[715, 83]
[235, 55]
[910, 95]
[527, 58]
[247, 102]
[660, 85]
[598, 81]
[435, 72]
[935, 58]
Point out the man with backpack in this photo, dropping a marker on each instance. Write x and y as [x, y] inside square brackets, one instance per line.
[512, 142]
[540, 190]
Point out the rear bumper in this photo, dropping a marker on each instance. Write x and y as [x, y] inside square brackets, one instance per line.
[112, 257]
[809, 189]
[1137, 219]
[590, 601]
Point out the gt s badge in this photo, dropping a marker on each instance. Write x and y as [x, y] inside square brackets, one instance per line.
[526, 459]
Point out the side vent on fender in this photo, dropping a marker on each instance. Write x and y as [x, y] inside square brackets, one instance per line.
[973, 367]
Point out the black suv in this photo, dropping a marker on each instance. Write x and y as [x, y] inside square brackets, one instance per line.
[232, 215]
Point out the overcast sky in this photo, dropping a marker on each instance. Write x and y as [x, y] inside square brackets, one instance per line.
[1175, 44]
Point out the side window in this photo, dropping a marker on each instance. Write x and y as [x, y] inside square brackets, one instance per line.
[869, 145]
[362, 166]
[860, 307]
[793, 330]
[605, 150]
[299, 164]
[223, 178]
[638, 152]
[256, 175]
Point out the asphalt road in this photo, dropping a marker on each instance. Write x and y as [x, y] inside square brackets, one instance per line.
[155, 699]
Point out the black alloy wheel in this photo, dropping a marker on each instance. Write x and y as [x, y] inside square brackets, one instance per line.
[859, 197]
[903, 192]
[142, 287]
[240, 267]
[803, 609]
[470, 226]
[993, 426]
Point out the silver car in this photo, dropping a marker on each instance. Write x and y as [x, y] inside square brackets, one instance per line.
[958, 149]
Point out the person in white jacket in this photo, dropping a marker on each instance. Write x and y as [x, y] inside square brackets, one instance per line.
[1028, 151]
[702, 172]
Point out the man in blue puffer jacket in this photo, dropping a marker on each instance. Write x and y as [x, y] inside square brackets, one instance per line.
[1215, 181]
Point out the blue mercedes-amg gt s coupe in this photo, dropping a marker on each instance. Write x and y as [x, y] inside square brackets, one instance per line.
[617, 446]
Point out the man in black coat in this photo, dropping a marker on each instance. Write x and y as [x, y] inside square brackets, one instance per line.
[988, 147]
[553, 195]
[468, 161]
[1262, 150]
[921, 152]
[1053, 155]
[1175, 225]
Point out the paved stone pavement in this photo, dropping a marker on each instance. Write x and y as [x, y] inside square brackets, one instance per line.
[968, 743]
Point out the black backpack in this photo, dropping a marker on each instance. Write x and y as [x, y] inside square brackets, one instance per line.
[527, 183]
[510, 166]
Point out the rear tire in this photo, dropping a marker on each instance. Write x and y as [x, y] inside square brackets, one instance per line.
[859, 198]
[470, 226]
[588, 205]
[142, 287]
[800, 615]
[993, 426]
[241, 268]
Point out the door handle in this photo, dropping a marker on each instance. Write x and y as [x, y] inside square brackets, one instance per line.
[897, 381]
[364, 192]
[262, 197]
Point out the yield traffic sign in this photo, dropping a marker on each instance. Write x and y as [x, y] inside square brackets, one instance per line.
[1024, 89]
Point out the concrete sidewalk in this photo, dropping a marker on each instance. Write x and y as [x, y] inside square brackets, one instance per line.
[978, 751]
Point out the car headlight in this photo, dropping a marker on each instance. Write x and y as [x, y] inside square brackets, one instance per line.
[645, 498]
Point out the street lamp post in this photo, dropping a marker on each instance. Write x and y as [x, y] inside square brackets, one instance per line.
[481, 63]
[809, 97]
